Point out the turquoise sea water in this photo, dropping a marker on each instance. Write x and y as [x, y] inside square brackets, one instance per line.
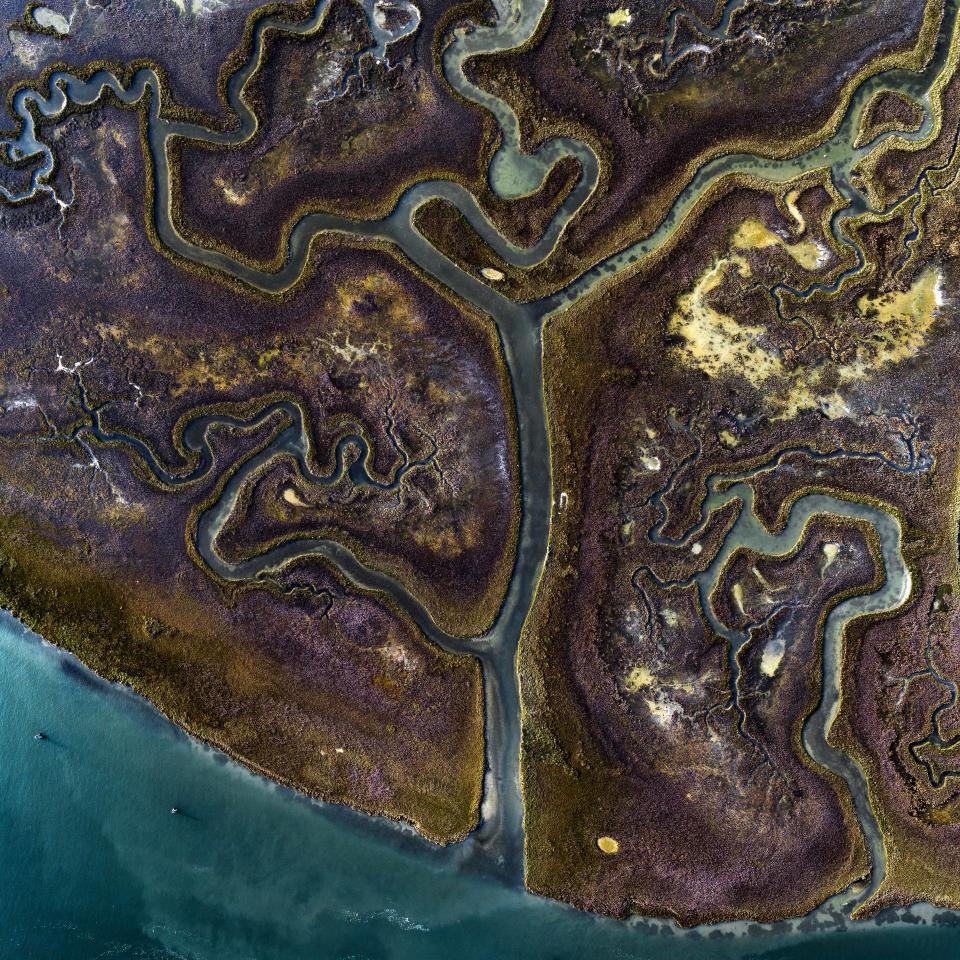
[93, 864]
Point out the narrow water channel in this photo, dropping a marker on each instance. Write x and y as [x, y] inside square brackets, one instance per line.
[513, 172]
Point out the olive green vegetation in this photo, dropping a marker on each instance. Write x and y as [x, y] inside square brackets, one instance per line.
[570, 785]
[887, 111]
[920, 866]
[634, 220]
[169, 648]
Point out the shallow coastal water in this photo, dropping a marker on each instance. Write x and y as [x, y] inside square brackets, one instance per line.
[95, 865]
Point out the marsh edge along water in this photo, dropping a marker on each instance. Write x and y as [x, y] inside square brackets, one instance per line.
[497, 844]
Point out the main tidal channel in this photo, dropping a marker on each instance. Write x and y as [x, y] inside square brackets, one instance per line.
[498, 841]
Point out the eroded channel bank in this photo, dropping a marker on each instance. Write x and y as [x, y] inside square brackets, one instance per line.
[512, 173]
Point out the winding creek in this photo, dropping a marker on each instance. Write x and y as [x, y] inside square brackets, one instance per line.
[513, 172]
[749, 533]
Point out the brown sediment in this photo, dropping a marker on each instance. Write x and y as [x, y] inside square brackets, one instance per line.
[168, 346]
[613, 374]
[206, 668]
[718, 354]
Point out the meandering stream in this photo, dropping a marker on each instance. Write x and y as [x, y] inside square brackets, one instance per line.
[749, 533]
[513, 172]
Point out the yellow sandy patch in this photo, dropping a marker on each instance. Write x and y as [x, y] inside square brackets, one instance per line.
[902, 320]
[608, 845]
[437, 534]
[663, 709]
[753, 235]
[492, 273]
[45, 17]
[737, 593]
[396, 653]
[619, 18]
[122, 511]
[231, 195]
[717, 343]
[637, 678]
[28, 50]
[351, 353]
[396, 309]
[669, 617]
[764, 582]
[290, 496]
[361, 317]
[772, 656]
[790, 201]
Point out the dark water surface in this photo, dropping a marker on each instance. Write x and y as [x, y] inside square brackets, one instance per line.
[94, 864]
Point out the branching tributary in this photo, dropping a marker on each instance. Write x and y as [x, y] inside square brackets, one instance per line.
[513, 172]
